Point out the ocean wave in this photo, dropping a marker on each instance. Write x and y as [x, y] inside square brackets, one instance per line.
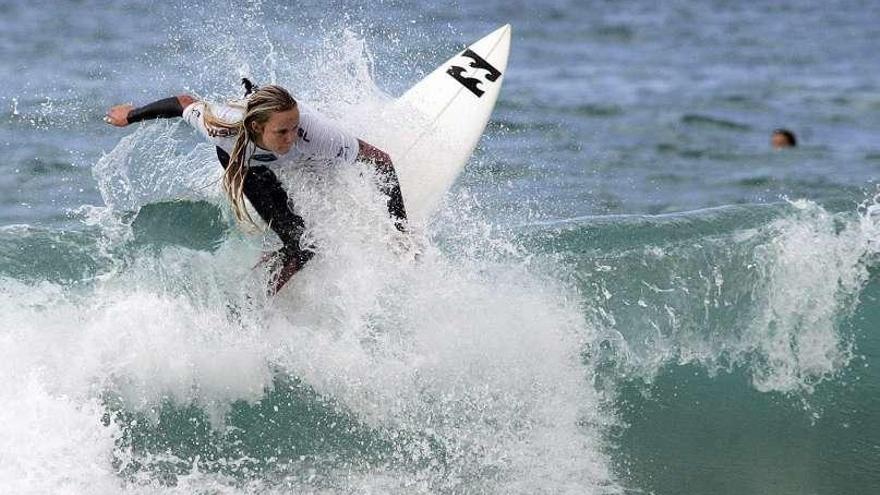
[765, 288]
[457, 371]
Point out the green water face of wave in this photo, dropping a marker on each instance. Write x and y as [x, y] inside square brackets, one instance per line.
[69, 256]
[739, 344]
[716, 433]
[291, 432]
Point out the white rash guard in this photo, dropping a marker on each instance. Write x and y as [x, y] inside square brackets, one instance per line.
[319, 144]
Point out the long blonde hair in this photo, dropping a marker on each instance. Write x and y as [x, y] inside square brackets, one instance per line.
[260, 106]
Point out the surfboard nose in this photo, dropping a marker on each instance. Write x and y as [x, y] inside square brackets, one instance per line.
[503, 32]
[454, 104]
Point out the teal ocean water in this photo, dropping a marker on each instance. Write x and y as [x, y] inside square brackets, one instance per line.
[628, 291]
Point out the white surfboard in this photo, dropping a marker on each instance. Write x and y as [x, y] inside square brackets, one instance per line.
[446, 113]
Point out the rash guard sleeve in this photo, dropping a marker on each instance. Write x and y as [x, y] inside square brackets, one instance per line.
[194, 115]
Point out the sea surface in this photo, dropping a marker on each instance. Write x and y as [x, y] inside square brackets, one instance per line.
[626, 292]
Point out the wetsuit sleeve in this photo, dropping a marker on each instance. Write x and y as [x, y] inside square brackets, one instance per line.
[395, 197]
[390, 184]
[162, 109]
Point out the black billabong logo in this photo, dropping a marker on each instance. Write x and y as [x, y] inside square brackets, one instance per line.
[472, 83]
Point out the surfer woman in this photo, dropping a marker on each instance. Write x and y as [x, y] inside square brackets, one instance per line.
[269, 131]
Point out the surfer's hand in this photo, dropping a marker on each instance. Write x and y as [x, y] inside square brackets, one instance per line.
[118, 115]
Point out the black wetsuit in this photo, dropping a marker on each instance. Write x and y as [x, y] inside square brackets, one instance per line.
[266, 194]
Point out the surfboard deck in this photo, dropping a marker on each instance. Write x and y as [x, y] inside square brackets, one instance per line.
[447, 112]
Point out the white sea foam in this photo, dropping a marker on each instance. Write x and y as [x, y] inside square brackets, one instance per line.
[481, 356]
[815, 267]
[475, 356]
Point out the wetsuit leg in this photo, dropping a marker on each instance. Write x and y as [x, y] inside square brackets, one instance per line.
[390, 186]
[265, 193]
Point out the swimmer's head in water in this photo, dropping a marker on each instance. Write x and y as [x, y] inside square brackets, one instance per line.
[783, 138]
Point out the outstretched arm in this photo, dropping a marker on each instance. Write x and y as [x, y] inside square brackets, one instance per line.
[391, 186]
[123, 115]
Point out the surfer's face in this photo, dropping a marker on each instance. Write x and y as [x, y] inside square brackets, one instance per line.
[279, 132]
